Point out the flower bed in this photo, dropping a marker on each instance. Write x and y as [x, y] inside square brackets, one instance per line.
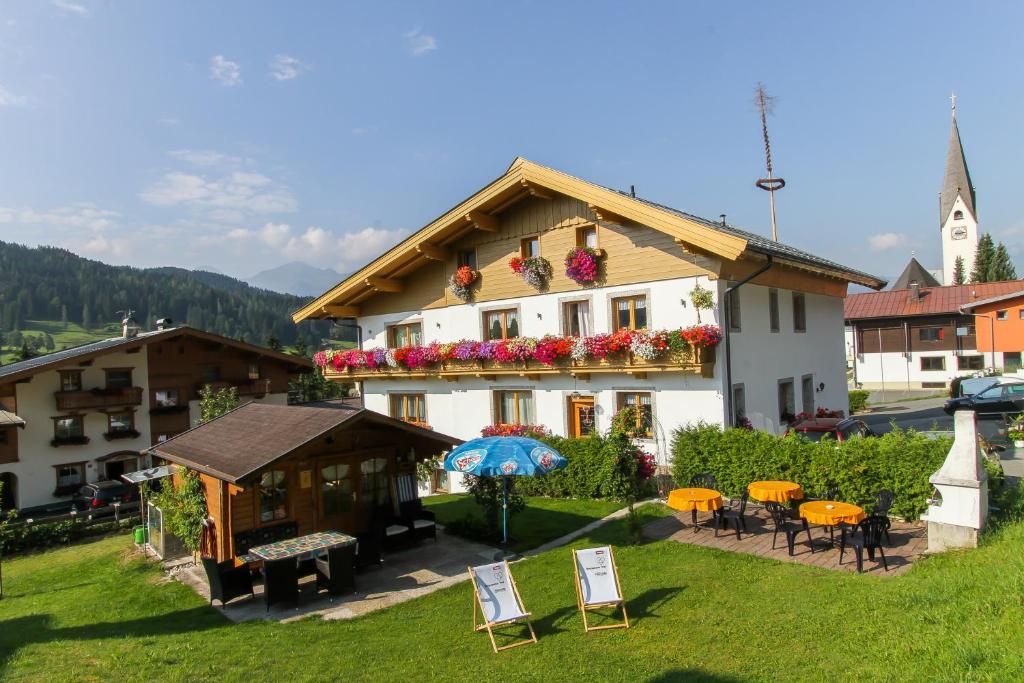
[692, 343]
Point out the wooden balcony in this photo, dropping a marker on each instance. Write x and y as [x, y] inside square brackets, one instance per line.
[98, 398]
[702, 363]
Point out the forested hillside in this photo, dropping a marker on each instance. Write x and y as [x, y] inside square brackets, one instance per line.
[46, 283]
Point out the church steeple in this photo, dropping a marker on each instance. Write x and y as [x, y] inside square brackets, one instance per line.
[957, 180]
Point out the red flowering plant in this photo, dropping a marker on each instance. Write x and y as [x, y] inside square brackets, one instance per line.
[825, 412]
[530, 431]
[461, 282]
[703, 336]
[536, 270]
[551, 349]
[581, 265]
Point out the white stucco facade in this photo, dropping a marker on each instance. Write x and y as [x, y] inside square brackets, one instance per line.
[899, 371]
[959, 239]
[761, 359]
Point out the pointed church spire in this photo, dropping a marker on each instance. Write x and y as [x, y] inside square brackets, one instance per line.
[957, 180]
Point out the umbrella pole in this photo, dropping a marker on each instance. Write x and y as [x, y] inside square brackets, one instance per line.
[504, 513]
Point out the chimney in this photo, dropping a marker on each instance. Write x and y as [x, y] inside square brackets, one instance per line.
[722, 216]
[915, 291]
[164, 323]
[632, 190]
[129, 329]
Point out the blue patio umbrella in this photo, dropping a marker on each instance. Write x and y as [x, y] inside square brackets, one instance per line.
[504, 456]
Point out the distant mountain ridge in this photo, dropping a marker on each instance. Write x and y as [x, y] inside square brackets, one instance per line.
[300, 279]
[47, 283]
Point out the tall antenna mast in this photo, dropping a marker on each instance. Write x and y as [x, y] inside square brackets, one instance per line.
[765, 104]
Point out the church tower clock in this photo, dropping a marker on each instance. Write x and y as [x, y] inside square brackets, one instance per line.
[958, 217]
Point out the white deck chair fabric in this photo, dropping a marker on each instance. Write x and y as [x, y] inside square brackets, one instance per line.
[497, 597]
[597, 576]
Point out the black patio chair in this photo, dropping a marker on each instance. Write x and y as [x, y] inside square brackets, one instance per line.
[871, 531]
[368, 550]
[280, 581]
[735, 513]
[883, 503]
[786, 526]
[704, 480]
[226, 580]
[422, 523]
[337, 572]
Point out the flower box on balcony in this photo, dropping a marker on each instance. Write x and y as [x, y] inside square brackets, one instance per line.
[121, 434]
[69, 441]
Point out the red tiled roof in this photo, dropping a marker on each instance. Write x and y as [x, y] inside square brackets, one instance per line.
[898, 303]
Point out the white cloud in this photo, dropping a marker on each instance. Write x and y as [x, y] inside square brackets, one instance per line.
[225, 72]
[169, 121]
[419, 43]
[69, 7]
[888, 240]
[286, 67]
[245, 192]
[204, 157]
[80, 216]
[9, 99]
[318, 246]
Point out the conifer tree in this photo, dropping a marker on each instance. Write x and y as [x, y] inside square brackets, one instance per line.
[983, 259]
[1002, 266]
[958, 271]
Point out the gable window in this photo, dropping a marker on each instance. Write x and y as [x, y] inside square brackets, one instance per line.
[787, 401]
[732, 302]
[576, 318]
[971, 362]
[1001, 315]
[254, 370]
[932, 363]
[408, 334]
[630, 312]
[773, 310]
[69, 478]
[514, 407]
[121, 424]
[165, 398]
[70, 380]
[467, 257]
[931, 334]
[958, 215]
[503, 324]
[273, 494]
[643, 415]
[69, 429]
[587, 237]
[807, 394]
[409, 407]
[119, 378]
[529, 247]
[209, 374]
[799, 312]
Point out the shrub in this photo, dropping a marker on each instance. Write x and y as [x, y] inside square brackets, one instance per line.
[17, 537]
[900, 461]
[858, 400]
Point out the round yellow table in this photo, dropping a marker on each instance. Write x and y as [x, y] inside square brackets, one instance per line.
[775, 491]
[831, 513]
[694, 499]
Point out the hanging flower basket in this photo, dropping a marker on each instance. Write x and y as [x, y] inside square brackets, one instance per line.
[536, 270]
[461, 282]
[581, 265]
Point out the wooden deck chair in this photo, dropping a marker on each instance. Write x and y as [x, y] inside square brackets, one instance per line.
[495, 593]
[597, 584]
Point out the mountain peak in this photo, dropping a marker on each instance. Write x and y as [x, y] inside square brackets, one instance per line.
[296, 277]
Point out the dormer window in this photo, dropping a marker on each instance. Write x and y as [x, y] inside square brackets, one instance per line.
[958, 215]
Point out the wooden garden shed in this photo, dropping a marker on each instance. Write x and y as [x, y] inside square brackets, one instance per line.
[271, 469]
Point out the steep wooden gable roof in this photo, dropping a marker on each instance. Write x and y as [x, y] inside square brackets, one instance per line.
[525, 179]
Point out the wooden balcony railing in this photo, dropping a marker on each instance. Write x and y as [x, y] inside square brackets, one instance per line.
[699, 363]
[98, 398]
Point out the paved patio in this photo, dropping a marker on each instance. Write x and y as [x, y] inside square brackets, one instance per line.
[404, 575]
[909, 542]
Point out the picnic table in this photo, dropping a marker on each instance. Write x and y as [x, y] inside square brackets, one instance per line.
[694, 499]
[302, 547]
[775, 491]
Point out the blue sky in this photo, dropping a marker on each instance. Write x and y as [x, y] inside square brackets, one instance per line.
[245, 135]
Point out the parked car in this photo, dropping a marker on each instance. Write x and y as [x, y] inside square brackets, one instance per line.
[840, 429]
[995, 401]
[969, 386]
[101, 494]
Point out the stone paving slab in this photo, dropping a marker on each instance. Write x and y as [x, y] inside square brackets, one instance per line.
[908, 542]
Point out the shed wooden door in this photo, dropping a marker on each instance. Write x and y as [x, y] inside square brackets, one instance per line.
[581, 416]
[338, 494]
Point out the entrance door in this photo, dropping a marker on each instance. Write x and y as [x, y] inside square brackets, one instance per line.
[374, 489]
[581, 416]
[115, 468]
[338, 498]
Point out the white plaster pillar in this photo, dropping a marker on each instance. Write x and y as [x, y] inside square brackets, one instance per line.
[960, 514]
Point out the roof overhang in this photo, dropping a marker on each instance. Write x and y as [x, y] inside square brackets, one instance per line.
[9, 419]
[992, 300]
[522, 180]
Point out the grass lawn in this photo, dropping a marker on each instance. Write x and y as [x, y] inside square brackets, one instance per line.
[64, 335]
[90, 612]
[543, 519]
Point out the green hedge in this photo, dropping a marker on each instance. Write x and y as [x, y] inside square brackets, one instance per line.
[858, 400]
[20, 537]
[593, 470]
[900, 461]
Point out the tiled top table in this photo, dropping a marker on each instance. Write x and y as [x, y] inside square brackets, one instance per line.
[301, 548]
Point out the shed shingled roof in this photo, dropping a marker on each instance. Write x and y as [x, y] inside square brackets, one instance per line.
[252, 436]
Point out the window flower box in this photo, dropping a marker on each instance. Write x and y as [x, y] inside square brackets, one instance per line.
[69, 441]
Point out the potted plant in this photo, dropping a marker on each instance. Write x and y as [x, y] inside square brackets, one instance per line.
[581, 265]
[536, 270]
[461, 282]
[702, 299]
[1016, 431]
